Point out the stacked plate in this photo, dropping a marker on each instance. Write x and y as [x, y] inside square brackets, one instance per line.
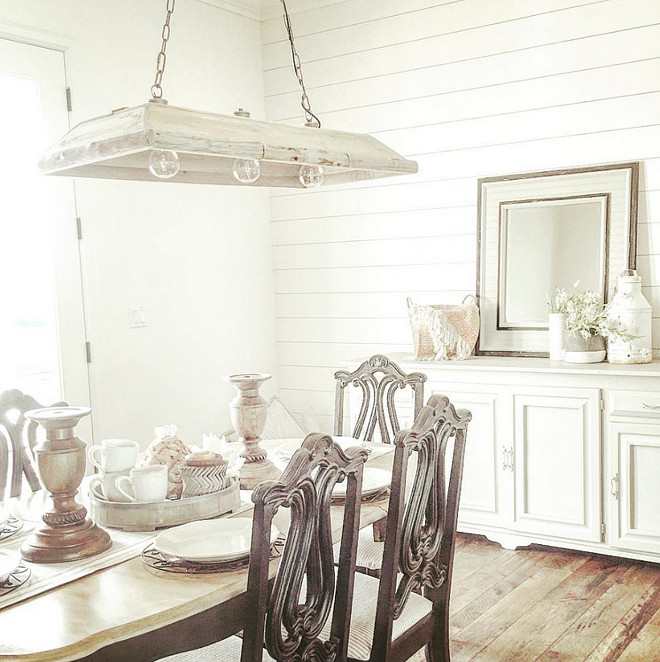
[9, 524]
[13, 572]
[207, 545]
[375, 483]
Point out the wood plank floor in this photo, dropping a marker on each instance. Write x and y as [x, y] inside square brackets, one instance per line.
[552, 605]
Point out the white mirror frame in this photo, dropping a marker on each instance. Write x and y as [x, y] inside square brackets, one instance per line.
[617, 182]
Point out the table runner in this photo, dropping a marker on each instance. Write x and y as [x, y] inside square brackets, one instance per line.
[46, 576]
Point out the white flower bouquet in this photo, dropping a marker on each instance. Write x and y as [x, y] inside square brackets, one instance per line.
[586, 315]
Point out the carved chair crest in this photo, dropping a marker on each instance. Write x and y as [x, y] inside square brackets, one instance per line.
[290, 621]
[18, 437]
[420, 533]
[378, 378]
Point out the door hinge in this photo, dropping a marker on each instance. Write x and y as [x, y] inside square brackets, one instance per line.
[603, 529]
[79, 227]
[88, 351]
[69, 106]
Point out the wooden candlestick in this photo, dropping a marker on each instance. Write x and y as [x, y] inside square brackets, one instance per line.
[248, 412]
[67, 533]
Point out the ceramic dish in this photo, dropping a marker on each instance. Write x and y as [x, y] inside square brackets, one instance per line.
[373, 481]
[10, 526]
[4, 515]
[9, 562]
[13, 572]
[209, 541]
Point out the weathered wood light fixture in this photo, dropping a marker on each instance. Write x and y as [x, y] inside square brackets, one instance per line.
[156, 141]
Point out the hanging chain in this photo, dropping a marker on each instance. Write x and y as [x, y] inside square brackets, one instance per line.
[297, 68]
[156, 89]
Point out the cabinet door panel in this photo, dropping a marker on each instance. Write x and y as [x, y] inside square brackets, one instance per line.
[483, 499]
[635, 493]
[557, 462]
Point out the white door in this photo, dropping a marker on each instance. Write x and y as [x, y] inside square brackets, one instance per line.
[42, 332]
[487, 486]
[634, 498]
[557, 460]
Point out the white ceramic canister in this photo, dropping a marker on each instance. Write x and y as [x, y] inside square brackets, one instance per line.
[632, 312]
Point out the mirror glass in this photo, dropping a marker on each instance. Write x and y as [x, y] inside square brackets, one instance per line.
[547, 244]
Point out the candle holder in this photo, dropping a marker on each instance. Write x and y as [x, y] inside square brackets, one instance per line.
[67, 534]
[248, 412]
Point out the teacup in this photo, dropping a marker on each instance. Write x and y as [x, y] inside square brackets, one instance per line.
[114, 455]
[147, 483]
[104, 486]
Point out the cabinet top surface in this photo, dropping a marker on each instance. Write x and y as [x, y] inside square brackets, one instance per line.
[523, 364]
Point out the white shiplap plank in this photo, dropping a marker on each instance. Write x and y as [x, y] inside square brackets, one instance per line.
[355, 200]
[332, 355]
[383, 225]
[382, 252]
[357, 305]
[411, 278]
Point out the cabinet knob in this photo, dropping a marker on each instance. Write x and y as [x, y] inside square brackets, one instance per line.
[647, 406]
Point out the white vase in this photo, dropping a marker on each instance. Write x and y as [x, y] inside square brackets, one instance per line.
[556, 336]
[631, 312]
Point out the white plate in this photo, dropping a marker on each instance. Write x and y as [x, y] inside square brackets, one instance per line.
[210, 541]
[373, 480]
[9, 561]
[4, 515]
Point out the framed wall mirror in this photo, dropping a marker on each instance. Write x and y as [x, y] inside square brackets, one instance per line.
[542, 230]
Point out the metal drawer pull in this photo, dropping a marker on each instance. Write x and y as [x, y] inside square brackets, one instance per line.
[650, 406]
[614, 486]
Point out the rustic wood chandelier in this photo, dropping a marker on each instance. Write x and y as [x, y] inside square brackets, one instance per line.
[159, 142]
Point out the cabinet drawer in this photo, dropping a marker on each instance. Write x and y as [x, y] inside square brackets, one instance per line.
[634, 403]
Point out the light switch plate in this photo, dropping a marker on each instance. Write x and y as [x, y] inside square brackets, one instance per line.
[137, 317]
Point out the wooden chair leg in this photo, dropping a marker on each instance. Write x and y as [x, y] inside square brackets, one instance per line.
[437, 650]
[379, 529]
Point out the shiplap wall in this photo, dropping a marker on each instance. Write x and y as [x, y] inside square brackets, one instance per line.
[470, 89]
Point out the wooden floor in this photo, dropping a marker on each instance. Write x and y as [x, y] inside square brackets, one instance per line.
[552, 605]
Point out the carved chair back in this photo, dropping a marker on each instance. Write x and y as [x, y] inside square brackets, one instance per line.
[287, 620]
[378, 379]
[421, 529]
[18, 437]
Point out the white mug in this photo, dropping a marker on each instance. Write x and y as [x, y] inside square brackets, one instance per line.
[114, 455]
[104, 486]
[148, 483]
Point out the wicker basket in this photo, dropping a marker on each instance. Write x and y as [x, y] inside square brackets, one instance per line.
[441, 332]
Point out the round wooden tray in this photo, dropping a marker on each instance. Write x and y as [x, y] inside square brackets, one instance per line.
[151, 516]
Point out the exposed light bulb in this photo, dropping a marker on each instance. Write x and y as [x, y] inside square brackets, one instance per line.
[164, 164]
[311, 176]
[246, 171]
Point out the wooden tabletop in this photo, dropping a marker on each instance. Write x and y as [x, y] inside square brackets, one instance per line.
[128, 609]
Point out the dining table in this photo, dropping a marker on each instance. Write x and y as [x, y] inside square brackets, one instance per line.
[131, 611]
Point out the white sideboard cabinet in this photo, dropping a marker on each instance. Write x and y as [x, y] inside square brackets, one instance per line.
[557, 454]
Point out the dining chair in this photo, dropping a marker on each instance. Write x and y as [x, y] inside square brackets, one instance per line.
[18, 437]
[288, 618]
[378, 379]
[408, 607]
